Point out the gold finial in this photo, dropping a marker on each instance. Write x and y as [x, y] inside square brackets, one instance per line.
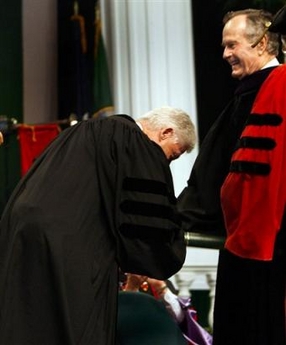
[75, 8]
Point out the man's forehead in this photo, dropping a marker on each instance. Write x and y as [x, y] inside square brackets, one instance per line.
[233, 33]
[236, 23]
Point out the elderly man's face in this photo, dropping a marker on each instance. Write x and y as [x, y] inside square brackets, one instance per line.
[167, 139]
[243, 59]
[172, 148]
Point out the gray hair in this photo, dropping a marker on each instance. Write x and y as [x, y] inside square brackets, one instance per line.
[257, 23]
[178, 119]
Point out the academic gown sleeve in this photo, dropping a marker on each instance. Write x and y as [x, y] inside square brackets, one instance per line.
[254, 192]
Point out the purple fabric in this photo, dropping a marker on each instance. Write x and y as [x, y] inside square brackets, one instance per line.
[192, 330]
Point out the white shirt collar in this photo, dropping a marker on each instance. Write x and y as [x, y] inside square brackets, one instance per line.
[272, 63]
[139, 125]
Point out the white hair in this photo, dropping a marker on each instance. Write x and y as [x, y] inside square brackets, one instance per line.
[176, 118]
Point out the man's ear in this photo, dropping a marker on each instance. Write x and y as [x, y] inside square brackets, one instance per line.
[262, 45]
[166, 133]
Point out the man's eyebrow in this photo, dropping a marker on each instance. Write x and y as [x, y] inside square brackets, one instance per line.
[228, 42]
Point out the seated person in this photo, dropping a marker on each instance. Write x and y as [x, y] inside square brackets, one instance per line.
[179, 308]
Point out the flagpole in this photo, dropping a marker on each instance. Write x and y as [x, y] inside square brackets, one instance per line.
[75, 8]
[102, 96]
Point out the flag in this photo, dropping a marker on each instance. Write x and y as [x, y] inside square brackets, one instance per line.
[102, 95]
[33, 139]
[80, 81]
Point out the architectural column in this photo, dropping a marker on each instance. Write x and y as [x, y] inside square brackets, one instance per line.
[211, 279]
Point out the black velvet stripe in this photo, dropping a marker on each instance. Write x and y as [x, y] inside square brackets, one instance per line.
[148, 209]
[264, 120]
[252, 168]
[133, 231]
[144, 186]
[256, 143]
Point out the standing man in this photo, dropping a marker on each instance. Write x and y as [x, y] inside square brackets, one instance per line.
[98, 198]
[243, 158]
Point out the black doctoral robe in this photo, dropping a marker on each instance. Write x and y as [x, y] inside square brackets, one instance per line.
[99, 197]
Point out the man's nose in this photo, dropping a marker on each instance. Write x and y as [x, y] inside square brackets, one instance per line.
[226, 53]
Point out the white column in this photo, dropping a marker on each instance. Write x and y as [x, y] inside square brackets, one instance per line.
[211, 278]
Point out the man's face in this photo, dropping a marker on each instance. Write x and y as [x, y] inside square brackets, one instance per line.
[172, 148]
[244, 59]
[167, 139]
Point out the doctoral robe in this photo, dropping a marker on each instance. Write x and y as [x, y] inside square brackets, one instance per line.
[100, 197]
[249, 300]
[250, 307]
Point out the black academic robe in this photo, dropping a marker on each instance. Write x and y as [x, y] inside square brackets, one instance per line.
[250, 291]
[99, 197]
[199, 202]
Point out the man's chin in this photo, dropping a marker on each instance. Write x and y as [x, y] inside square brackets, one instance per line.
[236, 74]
